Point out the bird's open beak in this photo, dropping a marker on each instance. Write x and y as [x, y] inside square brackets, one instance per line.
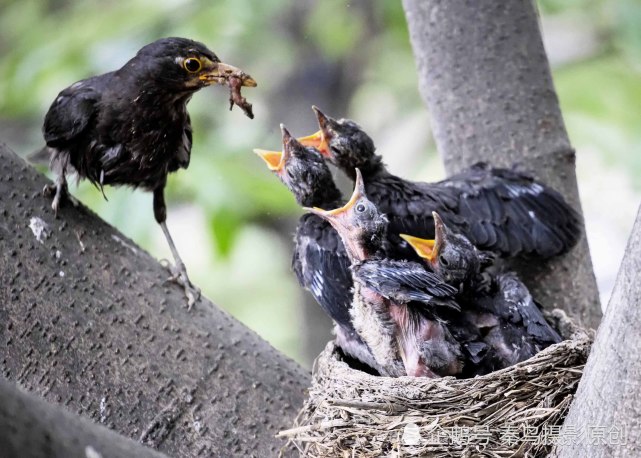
[339, 216]
[439, 232]
[273, 159]
[341, 219]
[276, 160]
[319, 140]
[219, 73]
[428, 248]
[423, 247]
[316, 140]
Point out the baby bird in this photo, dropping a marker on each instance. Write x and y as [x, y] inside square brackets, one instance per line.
[499, 210]
[131, 126]
[396, 305]
[498, 304]
[319, 261]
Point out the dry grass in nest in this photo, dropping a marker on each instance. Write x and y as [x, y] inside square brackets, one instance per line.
[516, 411]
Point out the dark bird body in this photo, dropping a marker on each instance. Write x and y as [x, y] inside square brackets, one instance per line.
[417, 308]
[498, 304]
[322, 265]
[499, 210]
[319, 260]
[131, 126]
[397, 307]
[511, 322]
[134, 141]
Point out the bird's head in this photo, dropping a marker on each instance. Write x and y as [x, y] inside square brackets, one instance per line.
[342, 142]
[181, 65]
[451, 255]
[302, 170]
[360, 225]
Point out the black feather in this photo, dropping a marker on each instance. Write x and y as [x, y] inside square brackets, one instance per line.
[405, 282]
[322, 267]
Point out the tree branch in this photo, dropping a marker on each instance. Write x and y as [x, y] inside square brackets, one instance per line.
[87, 320]
[607, 405]
[485, 76]
[31, 428]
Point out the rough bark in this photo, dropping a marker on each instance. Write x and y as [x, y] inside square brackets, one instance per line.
[607, 406]
[485, 76]
[87, 320]
[32, 428]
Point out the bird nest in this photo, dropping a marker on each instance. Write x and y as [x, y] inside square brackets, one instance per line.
[516, 411]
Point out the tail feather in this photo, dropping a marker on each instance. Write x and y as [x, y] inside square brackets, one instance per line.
[40, 157]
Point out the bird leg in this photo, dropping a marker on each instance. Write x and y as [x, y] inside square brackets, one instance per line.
[59, 190]
[178, 270]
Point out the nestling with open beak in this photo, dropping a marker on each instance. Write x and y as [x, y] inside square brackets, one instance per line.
[499, 210]
[319, 261]
[500, 305]
[397, 305]
[131, 126]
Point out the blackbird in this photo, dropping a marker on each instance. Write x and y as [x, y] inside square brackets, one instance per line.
[319, 261]
[131, 126]
[396, 305]
[498, 304]
[500, 210]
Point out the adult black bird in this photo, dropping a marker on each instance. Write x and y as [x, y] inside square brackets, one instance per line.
[396, 305]
[319, 261]
[500, 210]
[499, 304]
[131, 126]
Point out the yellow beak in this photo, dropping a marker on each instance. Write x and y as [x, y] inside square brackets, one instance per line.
[273, 159]
[221, 71]
[423, 247]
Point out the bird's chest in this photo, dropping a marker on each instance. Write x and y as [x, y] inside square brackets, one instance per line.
[141, 146]
[412, 332]
[371, 317]
[155, 134]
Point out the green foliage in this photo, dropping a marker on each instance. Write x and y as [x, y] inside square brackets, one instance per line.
[224, 225]
[599, 99]
[335, 27]
[551, 7]
[627, 35]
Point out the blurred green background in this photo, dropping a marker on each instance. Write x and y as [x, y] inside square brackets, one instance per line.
[231, 219]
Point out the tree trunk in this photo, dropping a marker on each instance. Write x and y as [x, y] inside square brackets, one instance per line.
[485, 76]
[32, 428]
[87, 320]
[604, 419]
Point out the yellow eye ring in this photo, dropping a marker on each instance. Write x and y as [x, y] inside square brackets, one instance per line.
[192, 64]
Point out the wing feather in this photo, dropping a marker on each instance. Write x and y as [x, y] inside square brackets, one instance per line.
[405, 282]
[70, 113]
[323, 268]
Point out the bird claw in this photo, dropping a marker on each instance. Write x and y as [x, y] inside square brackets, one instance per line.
[179, 277]
[48, 190]
[58, 191]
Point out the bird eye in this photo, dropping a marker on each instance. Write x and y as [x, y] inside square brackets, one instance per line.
[360, 208]
[192, 65]
[443, 260]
